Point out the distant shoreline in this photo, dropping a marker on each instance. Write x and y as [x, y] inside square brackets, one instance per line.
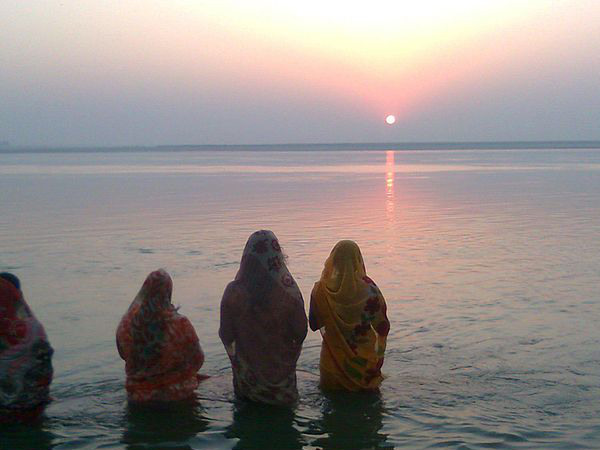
[366, 146]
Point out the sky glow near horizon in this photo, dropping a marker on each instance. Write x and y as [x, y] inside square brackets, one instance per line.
[234, 72]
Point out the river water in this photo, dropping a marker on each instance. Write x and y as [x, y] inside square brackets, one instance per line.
[489, 261]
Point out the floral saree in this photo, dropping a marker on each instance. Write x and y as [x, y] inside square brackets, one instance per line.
[351, 312]
[263, 324]
[25, 358]
[160, 347]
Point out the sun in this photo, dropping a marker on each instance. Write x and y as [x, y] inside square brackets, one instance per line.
[390, 119]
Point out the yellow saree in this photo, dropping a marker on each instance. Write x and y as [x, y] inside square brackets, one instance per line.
[351, 312]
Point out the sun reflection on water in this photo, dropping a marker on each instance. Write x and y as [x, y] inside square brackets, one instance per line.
[389, 186]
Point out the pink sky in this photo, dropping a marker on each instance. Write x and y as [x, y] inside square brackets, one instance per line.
[156, 72]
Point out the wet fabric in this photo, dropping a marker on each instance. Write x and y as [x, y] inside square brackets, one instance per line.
[248, 383]
[160, 347]
[263, 323]
[351, 313]
[25, 358]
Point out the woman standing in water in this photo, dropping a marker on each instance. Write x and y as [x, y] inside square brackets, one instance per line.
[263, 323]
[25, 357]
[351, 312]
[161, 350]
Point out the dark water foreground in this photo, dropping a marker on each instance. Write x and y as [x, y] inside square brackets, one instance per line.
[213, 420]
[415, 414]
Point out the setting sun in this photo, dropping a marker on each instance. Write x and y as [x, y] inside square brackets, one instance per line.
[390, 119]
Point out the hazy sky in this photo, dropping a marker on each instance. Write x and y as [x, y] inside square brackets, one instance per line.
[124, 72]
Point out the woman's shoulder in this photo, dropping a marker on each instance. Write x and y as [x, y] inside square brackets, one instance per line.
[233, 292]
[371, 285]
[182, 325]
[316, 287]
[177, 316]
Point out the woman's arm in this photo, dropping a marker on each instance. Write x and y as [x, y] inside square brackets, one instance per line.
[123, 338]
[380, 323]
[119, 349]
[192, 350]
[226, 329]
[297, 321]
[313, 314]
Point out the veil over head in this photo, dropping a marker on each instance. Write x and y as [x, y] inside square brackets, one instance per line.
[25, 367]
[264, 323]
[351, 310]
[160, 347]
[263, 267]
[150, 310]
[345, 281]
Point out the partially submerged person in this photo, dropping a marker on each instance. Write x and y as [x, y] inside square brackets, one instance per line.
[351, 312]
[25, 357]
[263, 324]
[160, 347]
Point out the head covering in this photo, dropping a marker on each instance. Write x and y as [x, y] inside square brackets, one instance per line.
[160, 346]
[153, 307]
[263, 267]
[25, 366]
[352, 311]
[12, 278]
[267, 322]
[343, 278]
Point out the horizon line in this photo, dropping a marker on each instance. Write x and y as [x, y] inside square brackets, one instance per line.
[406, 145]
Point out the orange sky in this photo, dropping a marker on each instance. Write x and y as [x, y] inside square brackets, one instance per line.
[363, 59]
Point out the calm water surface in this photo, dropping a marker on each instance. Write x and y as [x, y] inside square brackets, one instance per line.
[489, 261]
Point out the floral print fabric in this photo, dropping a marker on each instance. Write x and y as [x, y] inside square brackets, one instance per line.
[247, 383]
[263, 248]
[25, 358]
[263, 323]
[351, 313]
[160, 347]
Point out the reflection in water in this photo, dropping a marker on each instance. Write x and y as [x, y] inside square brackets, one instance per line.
[26, 437]
[351, 421]
[163, 425]
[389, 171]
[389, 185]
[260, 426]
[390, 210]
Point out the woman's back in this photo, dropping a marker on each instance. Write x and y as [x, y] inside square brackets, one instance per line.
[160, 347]
[25, 356]
[263, 323]
[350, 311]
[267, 336]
